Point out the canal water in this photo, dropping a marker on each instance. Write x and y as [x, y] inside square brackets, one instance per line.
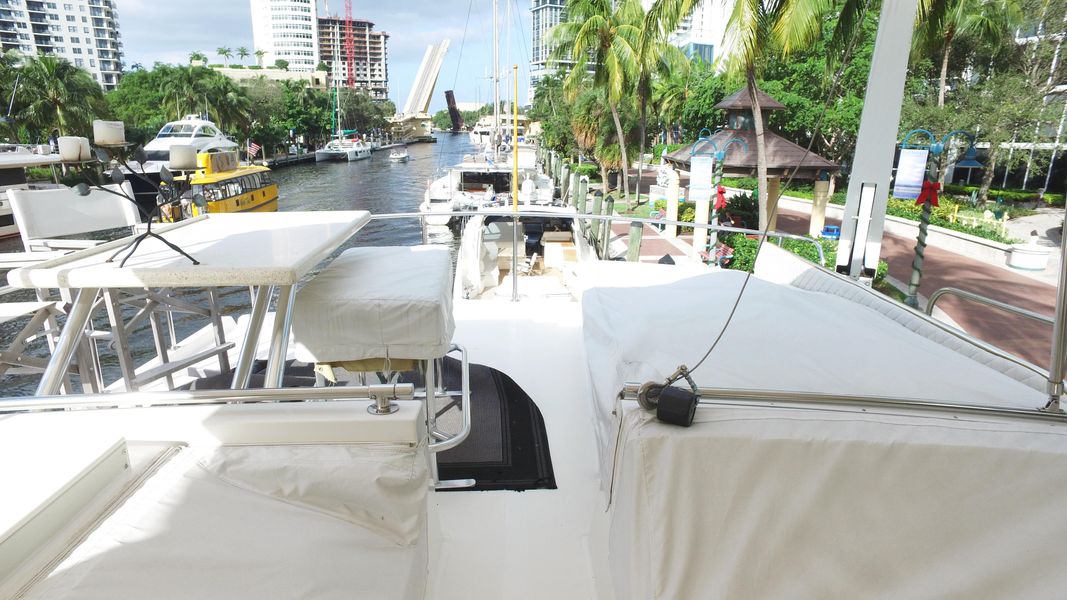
[376, 184]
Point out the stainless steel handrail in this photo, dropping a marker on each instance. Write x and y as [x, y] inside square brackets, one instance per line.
[986, 301]
[465, 405]
[397, 391]
[778, 397]
[623, 218]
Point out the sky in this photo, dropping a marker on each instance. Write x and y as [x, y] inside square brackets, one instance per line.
[155, 31]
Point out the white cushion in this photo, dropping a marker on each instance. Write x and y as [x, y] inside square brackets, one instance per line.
[385, 302]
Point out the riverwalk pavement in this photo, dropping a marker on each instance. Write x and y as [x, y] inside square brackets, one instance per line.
[1026, 338]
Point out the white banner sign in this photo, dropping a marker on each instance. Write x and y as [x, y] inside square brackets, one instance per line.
[700, 176]
[911, 172]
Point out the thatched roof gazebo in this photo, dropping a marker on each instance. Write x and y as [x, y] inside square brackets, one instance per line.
[783, 156]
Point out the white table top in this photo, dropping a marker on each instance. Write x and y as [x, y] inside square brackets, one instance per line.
[21, 160]
[233, 249]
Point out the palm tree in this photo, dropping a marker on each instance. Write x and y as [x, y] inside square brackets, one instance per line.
[259, 56]
[760, 30]
[197, 56]
[59, 95]
[948, 22]
[225, 53]
[605, 33]
[184, 87]
[655, 57]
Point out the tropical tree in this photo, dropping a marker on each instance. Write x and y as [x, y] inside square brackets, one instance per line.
[225, 53]
[758, 32]
[197, 56]
[58, 95]
[243, 53]
[602, 35]
[950, 22]
[259, 56]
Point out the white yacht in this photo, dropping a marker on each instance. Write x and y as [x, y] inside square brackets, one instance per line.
[481, 182]
[343, 149]
[191, 130]
[482, 132]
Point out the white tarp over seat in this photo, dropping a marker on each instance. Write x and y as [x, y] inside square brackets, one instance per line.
[775, 502]
[257, 522]
[383, 302]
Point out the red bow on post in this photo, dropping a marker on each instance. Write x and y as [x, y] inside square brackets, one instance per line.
[930, 190]
[720, 198]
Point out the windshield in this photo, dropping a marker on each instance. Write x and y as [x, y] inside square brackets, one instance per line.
[176, 130]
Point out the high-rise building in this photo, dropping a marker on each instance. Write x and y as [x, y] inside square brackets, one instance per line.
[544, 15]
[286, 30]
[85, 32]
[702, 34]
[370, 55]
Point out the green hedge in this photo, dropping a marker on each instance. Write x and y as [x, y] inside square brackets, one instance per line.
[745, 249]
[658, 148]
[1010, 195]
[905, 209]
[587, 169]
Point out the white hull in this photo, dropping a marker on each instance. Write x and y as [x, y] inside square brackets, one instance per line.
[325, 155]
[358, 154]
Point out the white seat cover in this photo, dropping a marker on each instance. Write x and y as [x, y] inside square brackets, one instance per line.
[386, 302]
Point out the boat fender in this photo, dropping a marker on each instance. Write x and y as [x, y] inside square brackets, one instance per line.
[676, 406]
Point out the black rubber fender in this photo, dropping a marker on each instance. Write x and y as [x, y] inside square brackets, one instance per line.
[676, 406]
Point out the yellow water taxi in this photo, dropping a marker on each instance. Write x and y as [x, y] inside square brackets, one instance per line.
[228, 186]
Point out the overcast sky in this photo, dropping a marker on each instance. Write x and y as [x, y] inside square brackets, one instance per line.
[160, 31]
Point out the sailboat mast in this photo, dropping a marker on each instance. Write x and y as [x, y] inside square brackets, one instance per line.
[496, 81]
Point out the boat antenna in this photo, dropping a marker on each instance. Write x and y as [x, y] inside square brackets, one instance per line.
[495, 138]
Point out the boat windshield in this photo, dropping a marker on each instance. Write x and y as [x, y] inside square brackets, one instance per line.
[176, 130]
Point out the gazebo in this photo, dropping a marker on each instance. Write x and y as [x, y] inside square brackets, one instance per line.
[783, 157]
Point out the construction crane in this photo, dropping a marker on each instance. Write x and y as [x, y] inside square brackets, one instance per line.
[350, 45]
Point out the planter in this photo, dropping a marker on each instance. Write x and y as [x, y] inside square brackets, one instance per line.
[1028, 257]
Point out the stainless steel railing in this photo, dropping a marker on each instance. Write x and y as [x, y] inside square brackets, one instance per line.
[727, 396]
[395, 391]
[986, 301]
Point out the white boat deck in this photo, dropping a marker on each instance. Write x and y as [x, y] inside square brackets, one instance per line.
[533, 544]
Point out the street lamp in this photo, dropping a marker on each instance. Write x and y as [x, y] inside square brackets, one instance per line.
[719, 155]
[928, 196]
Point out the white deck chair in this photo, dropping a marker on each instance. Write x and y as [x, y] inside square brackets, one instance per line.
[43, 215]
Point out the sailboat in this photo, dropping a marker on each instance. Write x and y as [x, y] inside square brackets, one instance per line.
[837, 445]
[342, 147]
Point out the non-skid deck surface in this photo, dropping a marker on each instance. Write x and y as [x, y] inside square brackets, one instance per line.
[508, 445]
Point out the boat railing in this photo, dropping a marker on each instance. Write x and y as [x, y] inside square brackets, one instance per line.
[777, 235]
[985, 301]
[714, 396]
[125, 400]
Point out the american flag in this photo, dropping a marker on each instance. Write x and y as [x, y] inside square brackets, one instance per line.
[253, 149]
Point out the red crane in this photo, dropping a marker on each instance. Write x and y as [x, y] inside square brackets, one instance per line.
[350, 45]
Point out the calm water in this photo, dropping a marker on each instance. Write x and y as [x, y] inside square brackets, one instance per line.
[376, 185]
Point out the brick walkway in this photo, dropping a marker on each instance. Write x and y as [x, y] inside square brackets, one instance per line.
[1020, 336]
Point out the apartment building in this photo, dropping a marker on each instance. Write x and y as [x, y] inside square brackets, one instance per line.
[370, 55]
[85, 32]
[286, 30]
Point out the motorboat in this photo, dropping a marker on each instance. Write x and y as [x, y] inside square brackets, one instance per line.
[343, 149]
[191, 130]
[399, 154]
[228, 186]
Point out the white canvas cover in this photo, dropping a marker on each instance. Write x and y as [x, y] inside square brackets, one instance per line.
[257, 522]
[383, 302]
[781, 502]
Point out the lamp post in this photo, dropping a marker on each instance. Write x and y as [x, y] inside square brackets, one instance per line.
[719, 156]
[928, 197]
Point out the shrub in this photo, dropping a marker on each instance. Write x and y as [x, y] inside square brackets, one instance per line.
[587, 169]
[255, 67]
[658, 148]
[1009, 195]
[216, 65]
